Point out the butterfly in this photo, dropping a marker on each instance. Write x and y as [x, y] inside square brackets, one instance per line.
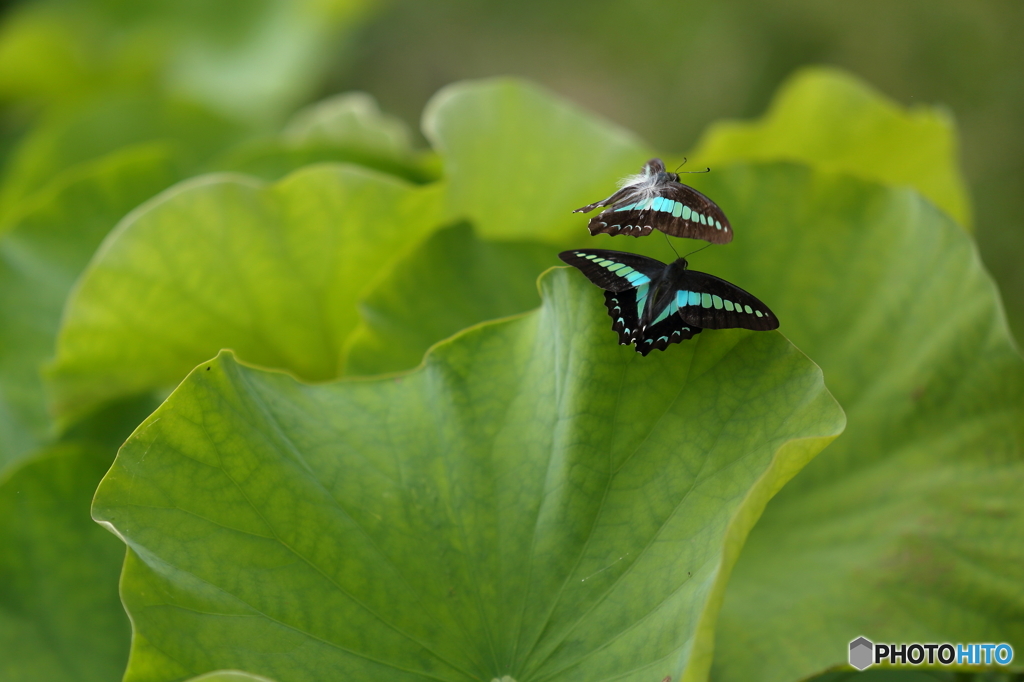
[653, 304]
[655, 199]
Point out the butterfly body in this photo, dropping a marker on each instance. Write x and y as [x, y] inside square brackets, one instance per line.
[654, 304]
[655, 199]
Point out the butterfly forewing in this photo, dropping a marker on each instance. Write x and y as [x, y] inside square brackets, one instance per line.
[626, 279]
[614, 270]
[712, 303]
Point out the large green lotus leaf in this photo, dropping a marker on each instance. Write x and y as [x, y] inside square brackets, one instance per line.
[833, 121]
[452, 281]
[273, 271]
[60, 615]
[45, 247]
[908, 527]
[518, 159]
[535, 501]
[69, 137]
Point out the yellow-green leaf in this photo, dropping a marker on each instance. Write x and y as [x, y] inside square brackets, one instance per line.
[833, 121]
[273, 271]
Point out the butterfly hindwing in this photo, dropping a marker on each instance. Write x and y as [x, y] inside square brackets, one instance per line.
[613, 270]
[670, 330]
[622, 308]
[712, 303]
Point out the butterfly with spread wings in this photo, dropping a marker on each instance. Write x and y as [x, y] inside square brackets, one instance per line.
[654, 304]
[655, 199]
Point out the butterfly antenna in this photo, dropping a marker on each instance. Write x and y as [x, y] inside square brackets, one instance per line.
[706, 170]
[669, 242]
[698, 250]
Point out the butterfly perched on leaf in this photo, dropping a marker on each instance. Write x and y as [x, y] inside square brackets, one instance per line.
[653, 304]
[656, 200]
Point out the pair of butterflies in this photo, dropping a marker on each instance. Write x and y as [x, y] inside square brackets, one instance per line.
[654, 304]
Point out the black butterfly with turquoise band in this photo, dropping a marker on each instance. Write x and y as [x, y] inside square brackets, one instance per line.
[656, 200]
[654, 304]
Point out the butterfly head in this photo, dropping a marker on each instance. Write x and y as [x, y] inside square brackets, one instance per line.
[668, 177]
[677, 266]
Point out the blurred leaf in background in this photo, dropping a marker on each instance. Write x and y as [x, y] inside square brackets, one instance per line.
[835, 122]
[198, 75]
[496, 138]
[61, 618]
[225, 262]
[66, 139]
[252, 60]
[53, 230]
[349, 127]
[42, 252]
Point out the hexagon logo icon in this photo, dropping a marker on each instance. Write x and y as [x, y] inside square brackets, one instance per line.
[860, 653]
